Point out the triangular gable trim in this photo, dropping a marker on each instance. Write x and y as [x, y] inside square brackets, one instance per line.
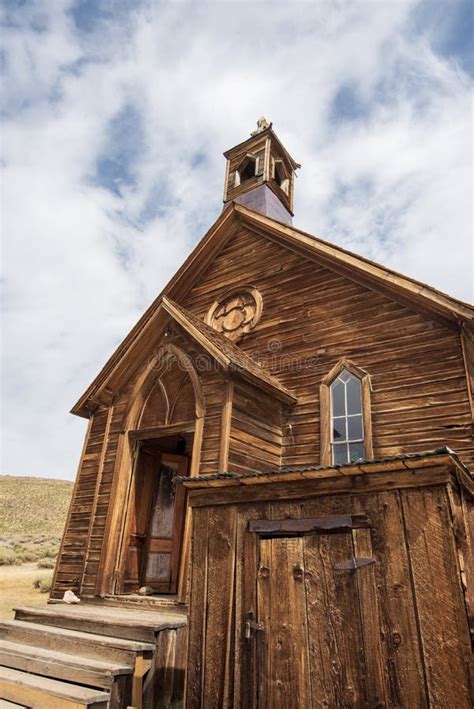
[232, 358]
[237, 362]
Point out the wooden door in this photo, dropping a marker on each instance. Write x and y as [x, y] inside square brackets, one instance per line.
[160, 569]
[316, 603]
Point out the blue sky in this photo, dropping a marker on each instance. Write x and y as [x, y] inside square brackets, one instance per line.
[115, 116]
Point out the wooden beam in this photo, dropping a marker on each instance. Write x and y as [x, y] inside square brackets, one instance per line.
[226, 419]
[162, 431]
[295, 488]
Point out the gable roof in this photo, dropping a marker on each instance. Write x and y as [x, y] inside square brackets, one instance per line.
[417, 295]
[229, 356]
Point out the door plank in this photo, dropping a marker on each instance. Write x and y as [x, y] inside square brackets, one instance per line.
[286, 673]
[263, 669]
[197, 610]
[439, 597]
[335, 634]
[220, 606]
[246, 665]
[369, 612]
[400, 637]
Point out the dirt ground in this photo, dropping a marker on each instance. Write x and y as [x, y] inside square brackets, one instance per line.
[16, 588]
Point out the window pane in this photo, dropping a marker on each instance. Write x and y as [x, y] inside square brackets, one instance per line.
[354, 428]
[345, 375]
[339, 432]
[338, 405]
[356, 451]
[158, 567]
[340, 454]
[163, 513]
[353, 396]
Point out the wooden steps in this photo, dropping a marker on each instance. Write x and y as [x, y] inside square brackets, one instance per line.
[136, 625]
[76, 642]
[24, 689]
[87, 646]
[61, 665]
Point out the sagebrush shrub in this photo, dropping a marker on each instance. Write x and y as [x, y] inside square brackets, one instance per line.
[7, 556]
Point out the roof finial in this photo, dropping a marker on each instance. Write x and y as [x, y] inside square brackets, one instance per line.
[262, 124]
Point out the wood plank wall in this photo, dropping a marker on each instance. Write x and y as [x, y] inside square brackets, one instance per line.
[313, 317]
[422, 615]
[103, 491]
[256, 430]
[79, 560]
[71, 560]
[213, 388]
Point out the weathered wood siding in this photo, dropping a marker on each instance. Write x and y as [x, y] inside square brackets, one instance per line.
[415, 629]
[256, 430]
[102, 500]
[213, 388]
[71, 559]
[312, 317]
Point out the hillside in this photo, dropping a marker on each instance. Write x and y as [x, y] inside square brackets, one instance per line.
[33, 507]
[32, 516]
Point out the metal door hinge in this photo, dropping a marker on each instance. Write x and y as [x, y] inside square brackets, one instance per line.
[251, 626]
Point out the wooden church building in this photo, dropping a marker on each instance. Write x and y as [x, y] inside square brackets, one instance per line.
[272, 503]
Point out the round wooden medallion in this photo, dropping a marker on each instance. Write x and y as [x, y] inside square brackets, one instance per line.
[236, 313]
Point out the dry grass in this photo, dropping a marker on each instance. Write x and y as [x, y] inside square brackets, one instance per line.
[33, 507]
[16, 588]
[32, 516]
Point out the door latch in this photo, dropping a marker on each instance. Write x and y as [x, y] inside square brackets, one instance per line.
[251, 626]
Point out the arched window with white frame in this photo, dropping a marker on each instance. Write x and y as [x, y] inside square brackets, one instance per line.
[346, 430]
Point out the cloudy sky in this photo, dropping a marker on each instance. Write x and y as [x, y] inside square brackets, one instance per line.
[115, 117]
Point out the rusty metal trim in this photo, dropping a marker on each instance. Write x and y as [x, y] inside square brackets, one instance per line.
[307, 525]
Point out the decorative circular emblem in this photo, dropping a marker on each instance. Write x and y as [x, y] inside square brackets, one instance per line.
[236, 313]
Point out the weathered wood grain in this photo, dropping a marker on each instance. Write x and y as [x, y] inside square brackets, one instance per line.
[439, 599]
[220, 608]
[197, 610]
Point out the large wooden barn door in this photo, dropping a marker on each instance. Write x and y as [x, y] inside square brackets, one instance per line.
[317, 630]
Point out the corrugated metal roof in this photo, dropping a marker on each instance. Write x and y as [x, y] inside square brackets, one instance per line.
[229, 475]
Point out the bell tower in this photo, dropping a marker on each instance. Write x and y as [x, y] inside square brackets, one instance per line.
[260, 174]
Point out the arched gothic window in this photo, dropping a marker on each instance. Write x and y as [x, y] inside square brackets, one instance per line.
[346, 432]
[347, 426]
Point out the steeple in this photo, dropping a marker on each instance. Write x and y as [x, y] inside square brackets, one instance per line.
[260, 174]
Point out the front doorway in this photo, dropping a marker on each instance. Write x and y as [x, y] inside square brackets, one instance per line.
[156, 518]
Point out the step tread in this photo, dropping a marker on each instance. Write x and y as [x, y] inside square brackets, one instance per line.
[55, 687]
[109, 615]
[61, 658]
[42, 629]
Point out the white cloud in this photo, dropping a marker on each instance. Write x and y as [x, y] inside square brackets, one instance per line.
[391, 180]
